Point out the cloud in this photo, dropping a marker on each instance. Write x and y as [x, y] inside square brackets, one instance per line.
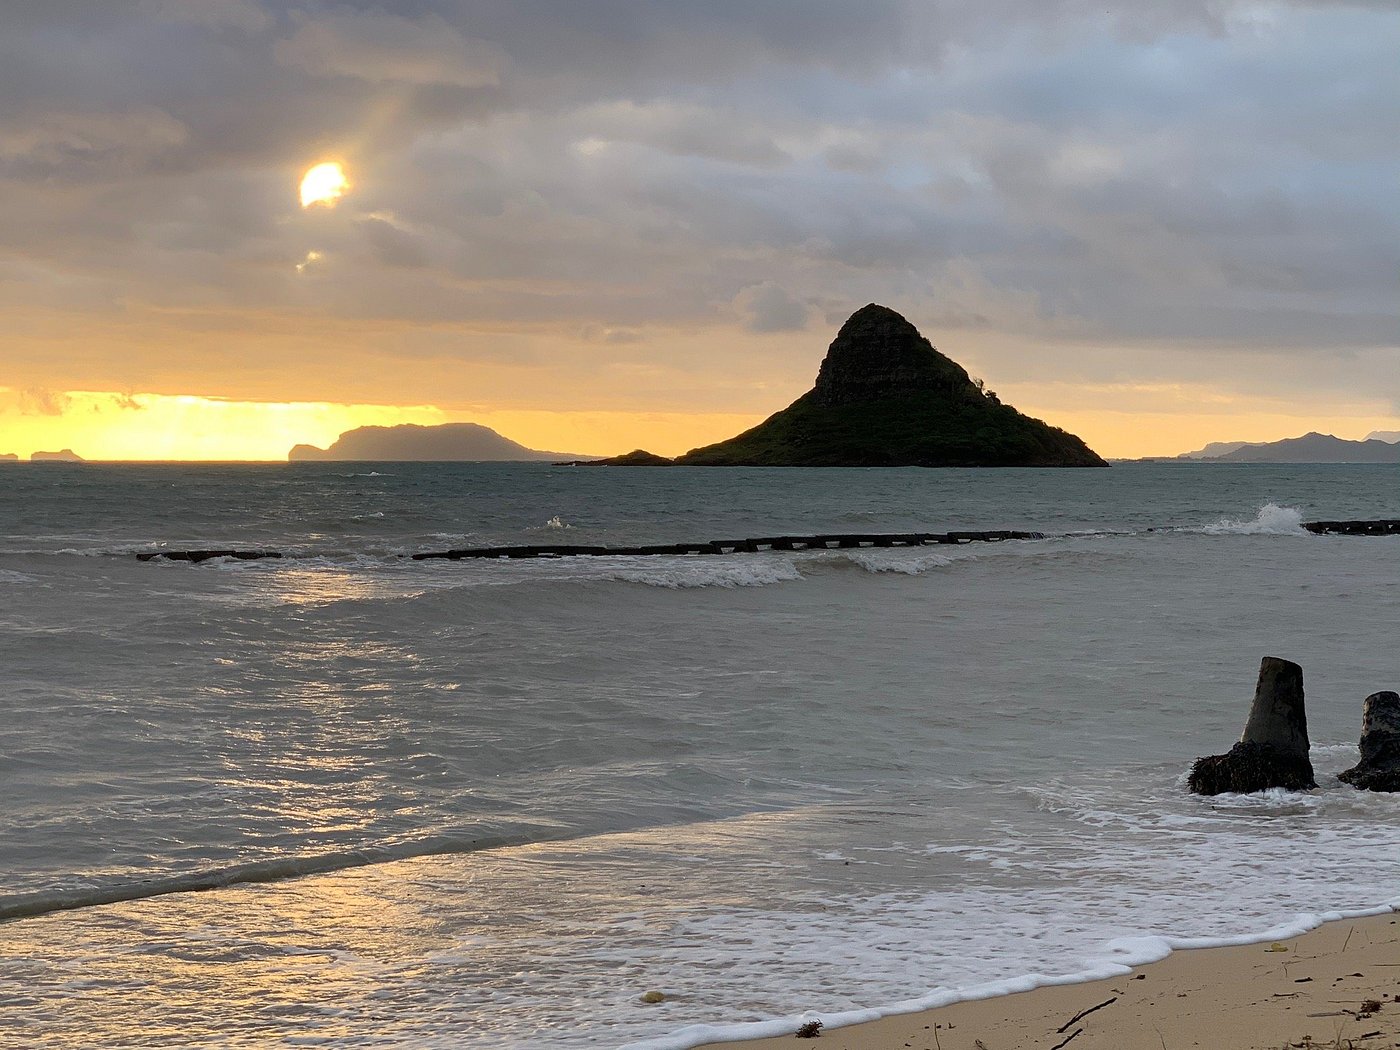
[769, 308]
[382, 47]
[47, 143]
[37, 401]
[615, 336]
[245, 15]
[391, 244]
[561, 200]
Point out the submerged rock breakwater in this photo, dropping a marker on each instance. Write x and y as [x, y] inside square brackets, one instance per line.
[744, 546]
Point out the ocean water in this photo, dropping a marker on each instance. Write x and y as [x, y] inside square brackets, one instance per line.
[481, 804]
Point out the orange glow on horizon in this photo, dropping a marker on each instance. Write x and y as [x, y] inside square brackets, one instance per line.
[106, 425]
[101, 425]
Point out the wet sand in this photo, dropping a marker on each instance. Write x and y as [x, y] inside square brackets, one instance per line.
[1333, 987]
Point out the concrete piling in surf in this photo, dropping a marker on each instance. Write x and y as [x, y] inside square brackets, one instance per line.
[1379, 768]
[1273, 749]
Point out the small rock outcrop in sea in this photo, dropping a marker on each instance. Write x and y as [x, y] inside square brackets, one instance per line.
[1379, 768]
[8, 457]
[1273, 750]
[638, 457]
[66, 455]
[884, 397]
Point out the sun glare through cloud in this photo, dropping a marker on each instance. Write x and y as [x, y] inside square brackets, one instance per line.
[324, 184]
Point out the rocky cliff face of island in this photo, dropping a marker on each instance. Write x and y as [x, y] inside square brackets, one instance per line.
[884, 397]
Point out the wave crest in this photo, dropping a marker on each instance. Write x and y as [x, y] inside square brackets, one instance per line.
[716, 572]
[1272, 520]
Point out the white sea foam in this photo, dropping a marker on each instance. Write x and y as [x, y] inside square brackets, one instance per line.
[686, 573]
[106, 551]
[915, 561]
[907, 562]
[1272, 520]
[1119, 957]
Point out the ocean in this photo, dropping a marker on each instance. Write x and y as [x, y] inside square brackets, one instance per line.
[491, 804]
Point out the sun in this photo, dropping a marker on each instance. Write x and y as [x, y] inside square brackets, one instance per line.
[324, 184]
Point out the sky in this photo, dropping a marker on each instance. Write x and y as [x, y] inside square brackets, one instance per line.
[595, 225]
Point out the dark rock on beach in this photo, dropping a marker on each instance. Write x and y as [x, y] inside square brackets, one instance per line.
[1273, 750]
[1379, 768]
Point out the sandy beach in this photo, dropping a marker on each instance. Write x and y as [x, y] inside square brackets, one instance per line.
[1334, 987]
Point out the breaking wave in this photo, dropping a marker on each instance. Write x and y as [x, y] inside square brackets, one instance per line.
[1272, 520]
[711, 572]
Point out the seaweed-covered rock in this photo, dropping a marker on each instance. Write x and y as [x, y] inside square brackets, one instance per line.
[1379, 768]
[1251, 767]
[1273, 750]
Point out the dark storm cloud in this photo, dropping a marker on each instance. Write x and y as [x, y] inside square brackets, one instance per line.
[1197, 172]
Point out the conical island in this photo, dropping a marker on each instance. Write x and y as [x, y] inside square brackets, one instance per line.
[884, 397]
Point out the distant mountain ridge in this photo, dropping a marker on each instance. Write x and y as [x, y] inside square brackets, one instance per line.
[1216, 449]
[1311, 444]
[411, 442]
[1314, 448]
[884, 397]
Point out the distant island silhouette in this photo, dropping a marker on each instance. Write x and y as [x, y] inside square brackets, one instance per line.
[410, 442]
[884, 397]
[8, 457]
[1310, 448]
[66, 455]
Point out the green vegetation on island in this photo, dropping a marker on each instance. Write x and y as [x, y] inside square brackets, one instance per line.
[884, 397]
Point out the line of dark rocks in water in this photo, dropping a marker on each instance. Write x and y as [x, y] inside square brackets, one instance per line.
[1384, 527]
[198, 556]
[743, 546]
[747, 546]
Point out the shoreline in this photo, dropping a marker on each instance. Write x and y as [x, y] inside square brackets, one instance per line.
[1290, 987]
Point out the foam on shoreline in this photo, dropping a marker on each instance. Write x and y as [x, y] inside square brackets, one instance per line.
[1121, 957]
